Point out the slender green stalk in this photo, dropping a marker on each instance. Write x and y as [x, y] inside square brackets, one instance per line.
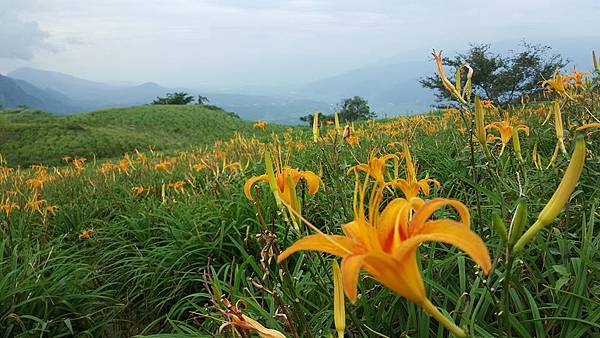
[447, 323]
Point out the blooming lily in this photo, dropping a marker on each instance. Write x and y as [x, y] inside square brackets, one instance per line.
[286, 179]
[376, 166]
[508, 131]
[411, 186]
[385, 244]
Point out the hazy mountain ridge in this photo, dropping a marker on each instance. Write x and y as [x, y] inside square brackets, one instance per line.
[89, 95]
[390, 88]
[15, 93]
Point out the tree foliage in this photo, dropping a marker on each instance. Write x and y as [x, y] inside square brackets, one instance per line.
[501, 78]
[351, 109]
[177, 98]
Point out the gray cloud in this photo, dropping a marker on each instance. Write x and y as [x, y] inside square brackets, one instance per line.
[19, 38]
[241, 43]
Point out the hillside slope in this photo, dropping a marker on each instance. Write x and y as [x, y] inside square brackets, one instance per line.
[15, 93]
[28, 137]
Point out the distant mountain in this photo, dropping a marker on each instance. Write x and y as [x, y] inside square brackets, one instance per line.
[15, 93]
[90, 95]
[391, 88]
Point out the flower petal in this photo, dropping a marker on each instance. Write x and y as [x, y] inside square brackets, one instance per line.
[262, 331]
[332, 244]
[401, 276]
[251, 182]
[431, 206]
[313, 181]
[393, 223]
[350, 269]
[449, 232]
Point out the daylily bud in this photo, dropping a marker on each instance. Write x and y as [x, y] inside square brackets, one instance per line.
[339, 311]
[595, 61]
[480, 127]
[517, 145]
[316, 127]
[337, 121]
[558, 125]
[438, 62]
[499, 226]
[561, 195]
[271, 175]
[518, 221]
[347, 133]
[457, 79]
[467, 90]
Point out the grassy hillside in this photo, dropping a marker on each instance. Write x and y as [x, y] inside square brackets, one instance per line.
[28, 137]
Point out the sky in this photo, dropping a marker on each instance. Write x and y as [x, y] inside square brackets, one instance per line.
[244, 44]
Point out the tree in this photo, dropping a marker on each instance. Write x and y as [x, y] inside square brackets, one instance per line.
[353, 109]
[501, 78]
[177, 98]
[202, 99]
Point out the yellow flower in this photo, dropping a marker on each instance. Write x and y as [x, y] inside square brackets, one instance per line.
[85, 234]
[199, 166]
[51, 209]
[165, 165]
[177, 186]
[260, 125]
[34, 204]
[138, 190]
[376, 166]
[241, 321]
[411, 186]
[558, 83]
[507, 130]
[286, 180]
[385, 244]
[578, 76]
[352, 140]
[8, 207]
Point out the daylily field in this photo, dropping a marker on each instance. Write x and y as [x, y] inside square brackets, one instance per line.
[474, 221]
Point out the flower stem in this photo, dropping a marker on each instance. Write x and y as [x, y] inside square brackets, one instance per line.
[448, 324]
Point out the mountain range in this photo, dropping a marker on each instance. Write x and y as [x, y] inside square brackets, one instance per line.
[66, 94]
[391, 86]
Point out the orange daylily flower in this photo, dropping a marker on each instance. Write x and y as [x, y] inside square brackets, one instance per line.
[286, 178]
[85, 234]
[8, 207]
[507, 130]
[411, 185]
[177, 186]
[578, 76]
[558, 83]
[352, 140]
[376, 166]
[260, 125]
[385, 244]
[199, 166]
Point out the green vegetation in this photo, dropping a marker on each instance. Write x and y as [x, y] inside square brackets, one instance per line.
[501, 78]
[177, 98]
[28, 137]
[185, 242]
[351, 109]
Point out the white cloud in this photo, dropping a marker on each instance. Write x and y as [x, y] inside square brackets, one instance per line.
[258, 42]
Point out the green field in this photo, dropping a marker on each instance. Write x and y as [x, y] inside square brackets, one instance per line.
[175, 240]
[29, 137]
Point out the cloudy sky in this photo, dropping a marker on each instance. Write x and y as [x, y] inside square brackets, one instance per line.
[269, 43]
